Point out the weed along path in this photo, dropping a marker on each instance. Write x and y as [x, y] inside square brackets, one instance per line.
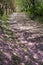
[23, 45]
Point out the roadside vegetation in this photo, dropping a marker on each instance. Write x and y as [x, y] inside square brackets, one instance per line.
[7, 7]
[34, 8]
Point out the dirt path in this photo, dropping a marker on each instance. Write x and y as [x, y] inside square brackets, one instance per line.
[29, 42]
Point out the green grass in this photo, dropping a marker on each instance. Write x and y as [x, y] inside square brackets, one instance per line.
[39, 19]
[4, 17]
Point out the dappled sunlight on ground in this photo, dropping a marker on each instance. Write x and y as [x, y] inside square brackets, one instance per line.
[24, 45]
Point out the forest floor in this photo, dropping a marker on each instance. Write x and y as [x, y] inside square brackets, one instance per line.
[27, 48]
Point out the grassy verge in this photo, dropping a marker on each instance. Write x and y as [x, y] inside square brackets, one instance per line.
[5, 28]
[4, 17]
[39, 19]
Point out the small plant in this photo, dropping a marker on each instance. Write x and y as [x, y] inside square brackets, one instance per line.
[15, 59]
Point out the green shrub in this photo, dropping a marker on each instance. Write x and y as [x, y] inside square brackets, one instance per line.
[32, 7]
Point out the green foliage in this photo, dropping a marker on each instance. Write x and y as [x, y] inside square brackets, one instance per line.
[1, 11]
[4, 17]
[4, 28]
[39, 10]
[32, 7]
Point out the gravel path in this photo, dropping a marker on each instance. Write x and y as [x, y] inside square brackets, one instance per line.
[28, 43]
